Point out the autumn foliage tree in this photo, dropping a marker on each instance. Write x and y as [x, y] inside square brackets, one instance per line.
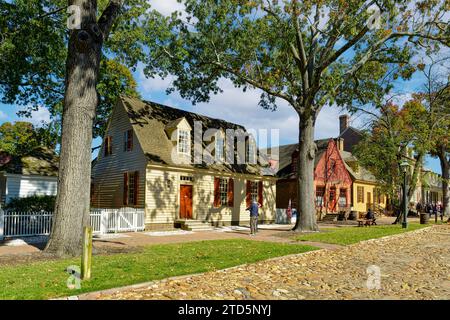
[399, 133]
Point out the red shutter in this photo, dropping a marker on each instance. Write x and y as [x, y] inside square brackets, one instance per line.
[230, 192]
[260, 192]
[216, 192]
[248, 195]
[136, 187]
[125, 188]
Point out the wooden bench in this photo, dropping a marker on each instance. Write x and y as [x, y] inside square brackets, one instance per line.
[366, 222]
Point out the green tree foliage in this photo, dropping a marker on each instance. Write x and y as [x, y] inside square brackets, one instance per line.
[33, 53]
[34, 203]
[21, 137]
[308, 53]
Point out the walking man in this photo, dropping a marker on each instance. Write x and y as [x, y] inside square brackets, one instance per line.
[254, 208]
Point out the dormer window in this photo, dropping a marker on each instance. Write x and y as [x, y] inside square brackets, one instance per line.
[251, 150]
[179, 132]
[184, 141]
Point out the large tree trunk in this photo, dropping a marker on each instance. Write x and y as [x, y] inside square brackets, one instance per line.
[80, 102]
[306, 221]
[445, 167]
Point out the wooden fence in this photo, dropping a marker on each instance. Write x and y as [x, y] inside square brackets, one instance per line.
[23, 224]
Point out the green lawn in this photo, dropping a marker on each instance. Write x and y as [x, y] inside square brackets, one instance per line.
[47, 279]
[349, 235]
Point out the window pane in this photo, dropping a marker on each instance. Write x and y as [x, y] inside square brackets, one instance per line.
[320, 191]
[183, 141]
[254, 190]
[131, 188]
[224, 191]
[343, 197]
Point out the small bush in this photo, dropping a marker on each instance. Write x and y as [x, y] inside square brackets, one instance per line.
[33, 203]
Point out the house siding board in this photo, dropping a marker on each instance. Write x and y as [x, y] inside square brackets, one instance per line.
[108, 171]
[21, 186]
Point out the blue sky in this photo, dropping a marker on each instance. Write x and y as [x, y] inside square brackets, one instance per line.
[236, 106]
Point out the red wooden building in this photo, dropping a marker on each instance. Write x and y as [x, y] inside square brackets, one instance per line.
[332, 182]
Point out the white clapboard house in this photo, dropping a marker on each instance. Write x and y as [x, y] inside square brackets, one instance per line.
[139, 166]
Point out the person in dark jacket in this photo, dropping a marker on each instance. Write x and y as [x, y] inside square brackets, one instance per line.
[370, 215]
[419, 208]
[254, 213]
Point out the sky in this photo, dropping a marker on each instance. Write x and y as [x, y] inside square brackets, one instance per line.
[234, 105]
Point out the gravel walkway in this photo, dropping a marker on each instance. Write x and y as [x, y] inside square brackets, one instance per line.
[414, 265]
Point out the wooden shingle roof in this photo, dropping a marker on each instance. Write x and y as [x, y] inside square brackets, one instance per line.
[40, 161]
[150, 120]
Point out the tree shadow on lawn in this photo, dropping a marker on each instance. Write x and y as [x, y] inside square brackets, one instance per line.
[31, 257]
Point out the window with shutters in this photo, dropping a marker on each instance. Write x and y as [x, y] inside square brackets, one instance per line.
[223, 192]
[108, 146]
[360, 194]
[128, 141]
[320, 192]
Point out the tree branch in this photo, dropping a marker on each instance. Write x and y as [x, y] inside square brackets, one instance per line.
[108, 17]
[256, 84]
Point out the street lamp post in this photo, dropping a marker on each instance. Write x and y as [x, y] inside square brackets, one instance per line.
[404, 165]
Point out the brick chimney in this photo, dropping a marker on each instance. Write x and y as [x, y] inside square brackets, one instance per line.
[343, 122]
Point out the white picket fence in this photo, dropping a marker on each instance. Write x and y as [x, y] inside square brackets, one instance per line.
[117, 220]
[23, 224]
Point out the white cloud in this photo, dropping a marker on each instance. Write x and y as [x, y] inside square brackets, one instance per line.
[152, 85]
[3, 116]
[38, 117]
[166, 7]
[240, 107]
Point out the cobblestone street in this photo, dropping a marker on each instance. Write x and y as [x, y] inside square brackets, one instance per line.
[415, 265]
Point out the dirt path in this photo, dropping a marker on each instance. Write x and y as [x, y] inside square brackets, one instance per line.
[414, 265]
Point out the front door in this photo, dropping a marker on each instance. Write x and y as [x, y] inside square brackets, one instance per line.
[332, 199]
[185, 202]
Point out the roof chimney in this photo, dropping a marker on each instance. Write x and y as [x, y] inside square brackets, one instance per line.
[343, 122]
